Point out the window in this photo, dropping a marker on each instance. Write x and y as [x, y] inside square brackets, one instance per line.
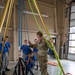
[72, 23]
[72, 29]
[73, 16]
[72, 37]
[72, 43]
[73, 9]
[71, 50]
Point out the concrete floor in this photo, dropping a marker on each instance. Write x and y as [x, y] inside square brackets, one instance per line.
[69, 66]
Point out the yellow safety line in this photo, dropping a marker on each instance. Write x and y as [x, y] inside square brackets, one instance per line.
[4, 14]
[8, 18]
[47, 32]
[7, 25]
[34, 16]
[41, 18]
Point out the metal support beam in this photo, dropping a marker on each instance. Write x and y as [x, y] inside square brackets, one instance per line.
[55, 17]
[50, 5]
[64, 2]
[39, 2]
[15, 33]
[35, 31]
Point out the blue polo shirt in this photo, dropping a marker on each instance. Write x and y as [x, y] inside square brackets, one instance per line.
[7, 44]
[35, 50]
[5, 48]
[25, 49]
[30, 64]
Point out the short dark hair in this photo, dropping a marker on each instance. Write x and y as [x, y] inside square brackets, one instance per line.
[40, 33]
[35, 39]
[25, 40]
[6, 37]
[2, 39]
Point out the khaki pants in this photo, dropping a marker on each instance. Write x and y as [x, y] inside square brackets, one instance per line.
[43, 64]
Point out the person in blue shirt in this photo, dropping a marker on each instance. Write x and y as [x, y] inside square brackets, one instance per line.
[8, 47]
[30, 62]
[6, 51]
[25, 49]
[3, 56]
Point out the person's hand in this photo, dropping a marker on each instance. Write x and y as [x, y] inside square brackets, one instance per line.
[68, 74]
[29, 42]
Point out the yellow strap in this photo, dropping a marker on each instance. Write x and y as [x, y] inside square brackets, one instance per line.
[47, 32]
[41, 18]
[9, 17]
[34, 16]
[45, 39]
[7, 24]
[4, 14]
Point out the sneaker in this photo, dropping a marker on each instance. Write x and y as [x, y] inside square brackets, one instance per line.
[3, 73]
[7, 69]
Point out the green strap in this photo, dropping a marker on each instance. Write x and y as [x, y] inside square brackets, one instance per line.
[45, 39]
[34, 16]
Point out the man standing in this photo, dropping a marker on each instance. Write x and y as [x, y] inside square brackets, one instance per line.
[3, 56]
[8, 47]
[42, 47]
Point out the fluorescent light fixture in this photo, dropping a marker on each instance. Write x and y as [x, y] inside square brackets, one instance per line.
[29, 12]
[1, 7]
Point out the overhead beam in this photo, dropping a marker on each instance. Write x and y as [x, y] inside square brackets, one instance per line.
[55, 17]
[64, 2]
[35, 31]
[39, 2]
[46, 4]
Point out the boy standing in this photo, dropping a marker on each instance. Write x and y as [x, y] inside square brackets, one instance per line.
[25, 49]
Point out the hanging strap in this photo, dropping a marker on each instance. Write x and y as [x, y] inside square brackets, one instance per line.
[34, 16]
[19, 23]
[24, 5]
[7, 25]
[2, 19]
[37, 21]
[51, 44]
[47, 32]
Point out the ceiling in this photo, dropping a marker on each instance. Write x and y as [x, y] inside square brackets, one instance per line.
[44, 1]
[47, 1]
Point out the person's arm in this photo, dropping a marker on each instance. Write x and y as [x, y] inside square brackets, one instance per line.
[20, 51]
[32, 45]
[9, 46]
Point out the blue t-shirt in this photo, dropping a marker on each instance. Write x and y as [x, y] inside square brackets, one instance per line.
[30, 64]
[7, 44]
[25, 49]
[35, 50]
[5, 48]
[50, 52]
